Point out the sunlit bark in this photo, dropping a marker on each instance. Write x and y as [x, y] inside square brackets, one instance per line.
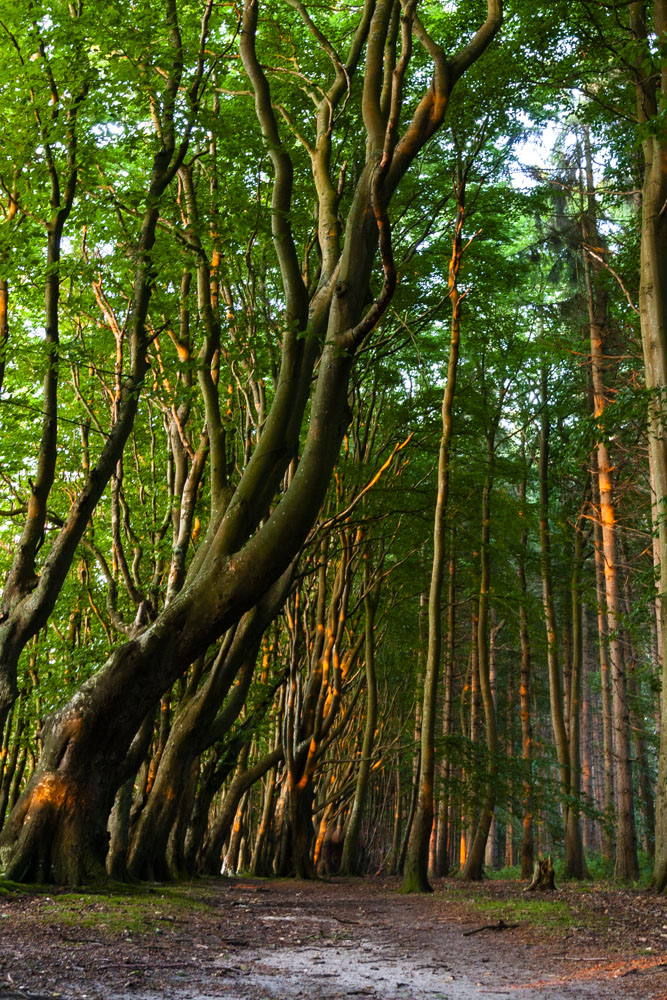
[626, 847]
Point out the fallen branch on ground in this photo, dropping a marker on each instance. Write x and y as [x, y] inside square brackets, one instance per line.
[500, 926]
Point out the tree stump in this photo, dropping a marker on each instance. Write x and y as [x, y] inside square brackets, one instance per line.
[543, 876]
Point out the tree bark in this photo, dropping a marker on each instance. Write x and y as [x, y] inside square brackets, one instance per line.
[442, 860]
[627, 866]
[201, 720]
[350, 860]
[651, 100]
[574, 849]
[474, 863]
[574, 861]
[527, 841]
[415, 874]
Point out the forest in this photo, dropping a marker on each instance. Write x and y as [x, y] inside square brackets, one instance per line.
[333, 464]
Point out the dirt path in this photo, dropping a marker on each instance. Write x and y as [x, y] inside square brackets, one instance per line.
[242, 939]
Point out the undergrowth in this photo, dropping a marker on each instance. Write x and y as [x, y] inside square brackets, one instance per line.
[599, 869]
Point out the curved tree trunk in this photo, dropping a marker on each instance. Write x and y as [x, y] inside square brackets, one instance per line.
[211, 857]
[201, 721]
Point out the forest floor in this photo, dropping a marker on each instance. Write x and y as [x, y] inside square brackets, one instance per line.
[252, 939]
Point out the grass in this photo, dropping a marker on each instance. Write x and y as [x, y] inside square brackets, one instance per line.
[548, 914]
[504, 873]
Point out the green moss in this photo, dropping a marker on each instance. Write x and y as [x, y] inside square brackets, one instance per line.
[122, 910]
[8, 888]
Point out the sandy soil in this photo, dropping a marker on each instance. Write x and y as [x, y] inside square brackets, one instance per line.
[243, 939]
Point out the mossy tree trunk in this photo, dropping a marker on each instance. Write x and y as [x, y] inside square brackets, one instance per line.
[203, 718]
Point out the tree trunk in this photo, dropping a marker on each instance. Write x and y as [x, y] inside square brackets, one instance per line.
[626, 847]
[258, 862]
[574, 849]
[651, 97]
[527, 842]
[201, 720]
[442, 859]
[473, 868]
[245, 777]
[9, 757]
[395, 852]
[415, 874]
[574, 861]
[350, 860]
[588, 834]
[605, 689]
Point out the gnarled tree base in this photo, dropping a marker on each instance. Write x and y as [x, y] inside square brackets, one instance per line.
[54, 836]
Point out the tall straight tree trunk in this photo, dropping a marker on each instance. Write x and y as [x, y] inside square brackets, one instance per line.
[555, 681]
[491, 850]
[586, 736]
[627, 866]
[471, 810]
[605, 686]
[415, 874]
[443, 859]
[395, 851]
[638, 723]
[574, 862]
[573, 839]
[473, 868]
[527, 839]
[651, 103]
[258, 865]
[508, 854]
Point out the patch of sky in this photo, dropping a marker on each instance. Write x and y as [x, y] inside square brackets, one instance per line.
[534, 153]
[544, 141]
[107, 133]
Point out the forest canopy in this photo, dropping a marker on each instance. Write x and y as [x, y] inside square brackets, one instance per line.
[333, 460]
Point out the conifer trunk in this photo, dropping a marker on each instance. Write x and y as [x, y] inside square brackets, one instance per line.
[651, 102]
